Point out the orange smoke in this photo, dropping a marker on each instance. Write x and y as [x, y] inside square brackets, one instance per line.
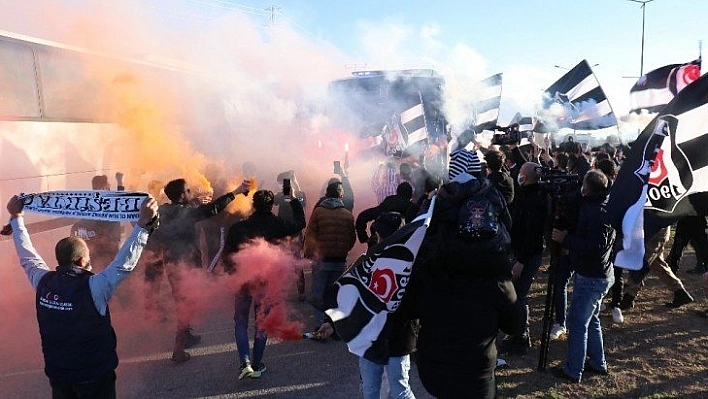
[152, 142]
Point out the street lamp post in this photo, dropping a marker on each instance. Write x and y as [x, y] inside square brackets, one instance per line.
[644, 10]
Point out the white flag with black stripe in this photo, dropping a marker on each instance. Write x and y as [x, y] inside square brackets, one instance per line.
[525, 122]
[486, 110]
[665, 174]
[374, 287]
[413, 122]
[575, 101]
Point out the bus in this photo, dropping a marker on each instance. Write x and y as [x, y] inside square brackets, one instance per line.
[364, 103]
[68, 114]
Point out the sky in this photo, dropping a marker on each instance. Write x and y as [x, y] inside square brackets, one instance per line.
[523, 39]
[529, 41]
[471, 40]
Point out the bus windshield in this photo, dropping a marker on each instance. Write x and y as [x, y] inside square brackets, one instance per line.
[363, 103]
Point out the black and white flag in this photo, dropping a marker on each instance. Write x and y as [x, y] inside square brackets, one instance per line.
[413, 122]
[575, 101]
[525, 124]
[486, 110]
[374, 287]
[393, 140]
[665, 174]
[657, 88]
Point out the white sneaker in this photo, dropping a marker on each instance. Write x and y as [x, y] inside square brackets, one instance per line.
[617, 315]
[557, 331]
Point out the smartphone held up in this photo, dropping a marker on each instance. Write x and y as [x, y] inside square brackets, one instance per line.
[287, 188]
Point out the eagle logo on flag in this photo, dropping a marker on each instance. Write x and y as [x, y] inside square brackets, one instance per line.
[666, 186]
[374, 286]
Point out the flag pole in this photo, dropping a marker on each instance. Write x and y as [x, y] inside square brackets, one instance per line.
[700, 52]
[425, 120]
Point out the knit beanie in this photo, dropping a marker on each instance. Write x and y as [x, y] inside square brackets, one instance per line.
[463, 161]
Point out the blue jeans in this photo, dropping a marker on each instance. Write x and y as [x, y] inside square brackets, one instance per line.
[523, 285]
[397, 371]
[324, 274]
[584, 330]
[243, 302]
[564, 272]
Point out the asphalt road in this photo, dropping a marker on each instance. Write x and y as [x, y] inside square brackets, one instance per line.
[296, 369]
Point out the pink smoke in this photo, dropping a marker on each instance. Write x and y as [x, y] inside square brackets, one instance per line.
[269, 270]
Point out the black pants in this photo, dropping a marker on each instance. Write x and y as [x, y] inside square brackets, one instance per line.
[100, 388]
[617, 288]
[690, 229]
[443, 385]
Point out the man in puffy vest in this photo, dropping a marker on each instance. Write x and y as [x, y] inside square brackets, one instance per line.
[78, 340]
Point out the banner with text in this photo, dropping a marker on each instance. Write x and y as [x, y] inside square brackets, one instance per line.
[117, 206]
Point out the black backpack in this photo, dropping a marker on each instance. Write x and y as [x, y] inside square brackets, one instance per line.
[475, 234]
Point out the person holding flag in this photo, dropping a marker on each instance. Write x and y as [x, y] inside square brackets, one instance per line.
[397, 339]
[664, 175]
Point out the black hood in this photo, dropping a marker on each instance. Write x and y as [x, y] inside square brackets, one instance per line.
[457, 193]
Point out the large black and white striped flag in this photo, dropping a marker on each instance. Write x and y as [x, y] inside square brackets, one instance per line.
[374, 287]
[665, 174]
[575, 101]
[658, 87]
[486, 110]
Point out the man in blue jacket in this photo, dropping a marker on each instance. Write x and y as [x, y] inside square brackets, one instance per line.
[590, 252]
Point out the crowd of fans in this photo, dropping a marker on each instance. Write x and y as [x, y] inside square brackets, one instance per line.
[464, 292]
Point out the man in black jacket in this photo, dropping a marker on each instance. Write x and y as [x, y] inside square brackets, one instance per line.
[590, 252]
[400, 202]
[528, 214]
[499, 177]
[176, 246]
[577, 162]
[261, 224]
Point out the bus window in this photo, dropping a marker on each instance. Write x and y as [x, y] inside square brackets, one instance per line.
[68, 89]
[18, 86]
